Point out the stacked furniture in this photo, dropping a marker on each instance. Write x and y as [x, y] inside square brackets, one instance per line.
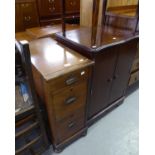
[30, 133]
[32, 13]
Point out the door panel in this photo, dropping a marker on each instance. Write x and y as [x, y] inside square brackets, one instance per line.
[102, 80]
[126, 54]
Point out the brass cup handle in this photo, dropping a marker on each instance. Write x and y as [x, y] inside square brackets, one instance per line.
[70, 100]
[51, 1]
[71, 125]
[71, 81]
[52, 9]
[27, 18]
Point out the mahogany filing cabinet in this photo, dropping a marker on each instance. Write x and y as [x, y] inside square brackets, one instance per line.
[61, 79]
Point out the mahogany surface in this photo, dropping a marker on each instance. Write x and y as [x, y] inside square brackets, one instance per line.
[106, 36]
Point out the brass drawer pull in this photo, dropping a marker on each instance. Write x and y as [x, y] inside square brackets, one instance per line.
[71, 125]
[70, 100]
[71, 81]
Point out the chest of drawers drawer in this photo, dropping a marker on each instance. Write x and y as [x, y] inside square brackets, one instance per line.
[70, 125]
[69, 99]
[69, 79]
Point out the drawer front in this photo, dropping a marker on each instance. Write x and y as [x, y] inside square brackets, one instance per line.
[69, 79]
[69, 99]
[49, 7]
[70, 125]
[134, 78]
[30, 17]
[135, 65]
[55, 6]
[72, 6]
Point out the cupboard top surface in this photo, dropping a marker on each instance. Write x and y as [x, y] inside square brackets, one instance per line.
[52, 59]
[95, 39]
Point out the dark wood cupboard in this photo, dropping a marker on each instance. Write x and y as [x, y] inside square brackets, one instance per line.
[113, 53]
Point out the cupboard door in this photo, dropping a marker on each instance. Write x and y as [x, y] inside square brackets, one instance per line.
[102, 80]
[126, 54]
[30, 16]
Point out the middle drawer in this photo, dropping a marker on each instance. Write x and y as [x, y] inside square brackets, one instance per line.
[69, 99]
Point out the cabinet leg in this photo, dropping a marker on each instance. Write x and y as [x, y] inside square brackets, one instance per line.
[84, 134]
[58, 150]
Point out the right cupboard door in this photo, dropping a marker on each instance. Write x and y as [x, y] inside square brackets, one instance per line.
[125, 57]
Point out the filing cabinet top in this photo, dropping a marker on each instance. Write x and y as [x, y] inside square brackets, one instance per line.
[52, 59]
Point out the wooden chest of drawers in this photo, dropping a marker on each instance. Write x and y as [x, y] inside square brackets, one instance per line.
[61, 79]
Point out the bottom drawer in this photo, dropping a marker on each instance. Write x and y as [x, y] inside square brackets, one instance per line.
[70, 125]
[134, 78]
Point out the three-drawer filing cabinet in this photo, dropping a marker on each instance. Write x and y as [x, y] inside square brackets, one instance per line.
[62, 79]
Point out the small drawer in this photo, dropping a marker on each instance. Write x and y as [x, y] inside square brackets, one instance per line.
[69, 99]
[69, 79]
[70, 125]
[135, 65]
[134, 78]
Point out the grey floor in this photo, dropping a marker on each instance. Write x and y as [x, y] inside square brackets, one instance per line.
[114, 134]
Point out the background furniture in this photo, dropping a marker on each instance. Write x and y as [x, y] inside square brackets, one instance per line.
[30, 132]
[26, 14]
[32, 13]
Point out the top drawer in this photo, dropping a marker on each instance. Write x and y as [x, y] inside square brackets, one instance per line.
[69, 79]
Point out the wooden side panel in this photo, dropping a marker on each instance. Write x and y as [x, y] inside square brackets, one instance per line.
[38, 83]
